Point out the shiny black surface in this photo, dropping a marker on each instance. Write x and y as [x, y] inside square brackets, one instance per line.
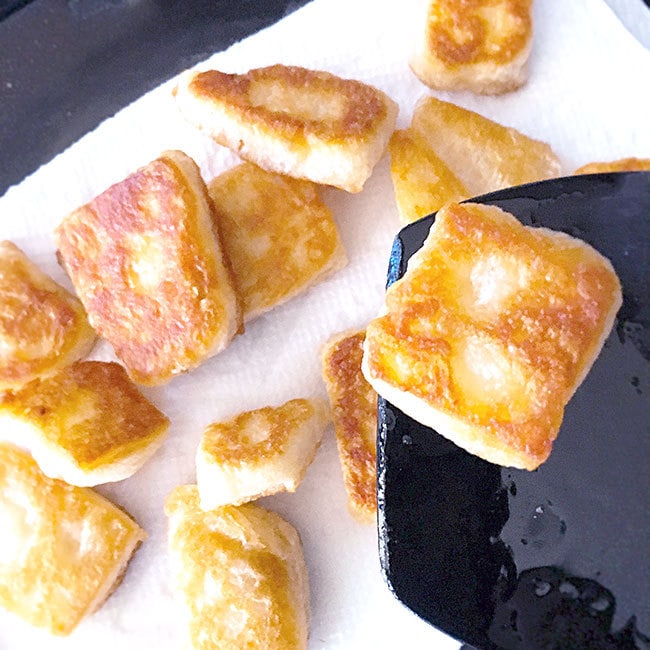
[559, 557]
[66, 65]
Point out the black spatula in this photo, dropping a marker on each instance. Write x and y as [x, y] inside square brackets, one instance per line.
[558, 558]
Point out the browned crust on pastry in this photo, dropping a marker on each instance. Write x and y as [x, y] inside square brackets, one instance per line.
[491, 330]
[239, 574]
[477, 45]
[354, 411]
[90, 412]
[278, 234]
[147, 265]
[42, 326]
[359, 112]
[67, 550]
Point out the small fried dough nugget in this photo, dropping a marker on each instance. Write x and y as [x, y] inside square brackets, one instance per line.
[87, 425]
[277, 233]
[43, 327]
[65, 549]
[148, 267]
[304, 123]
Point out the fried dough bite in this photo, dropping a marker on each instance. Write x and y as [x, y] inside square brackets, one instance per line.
[65, 549]
[148, 267]
[87, 425]
[422, 181]
[239, 573]
[304, 123]
[43, 327]
[277, 233]
[478, 45]
[491, 330]
[354, 411]
[259, 453]
[485, 155]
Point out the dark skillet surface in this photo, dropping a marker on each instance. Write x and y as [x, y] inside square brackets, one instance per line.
[66, 65]
[559, 557]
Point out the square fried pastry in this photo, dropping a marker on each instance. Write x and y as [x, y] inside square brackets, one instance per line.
[422, 181]
[354, 411]
[87, 425]
[483, 154]
[240, 575]
[259, 453]
[148, 267]
[491, 330]
[478, 45]
[622, 165]
[64, 549]
[43, 327]
[277, 233]
[304, 123]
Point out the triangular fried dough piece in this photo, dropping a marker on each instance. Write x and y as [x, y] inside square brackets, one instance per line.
[239, 573]
[87, 425]
[354, 411]
[485, 156]
[64, 548]
[422, 181]
[622, 165]
[477, 45]
[491, 330]
[43, 327]
[148, 267]
[277, 233]
[259, 452]
[304, 123]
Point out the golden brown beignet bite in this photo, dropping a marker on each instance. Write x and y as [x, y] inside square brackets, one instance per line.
[491, 330]
[422, 181]
[354, 411]
[304, 123]
[239, 573]
[64, 549]
[43, 327]
[277, 233]
[477, 45]
[148, 267]
[87, 425]
[485, 155]
[259, 453]
[622, 165]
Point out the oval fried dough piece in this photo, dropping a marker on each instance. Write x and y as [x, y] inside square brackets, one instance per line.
[491, 330]
[87, 425]
[147, 265]
[259, 452]
[43, 327]
[240, 574]
[477, 45]
[63, 549]
[354, 411]
[277, 233]
[304, 123]
[485, 155]
[422, 181]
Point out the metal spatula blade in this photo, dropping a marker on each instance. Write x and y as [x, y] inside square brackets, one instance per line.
[559, 557]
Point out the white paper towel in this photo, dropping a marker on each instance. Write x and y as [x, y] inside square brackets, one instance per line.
[587, 96]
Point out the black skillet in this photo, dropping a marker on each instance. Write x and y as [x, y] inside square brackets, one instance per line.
[558, 558]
